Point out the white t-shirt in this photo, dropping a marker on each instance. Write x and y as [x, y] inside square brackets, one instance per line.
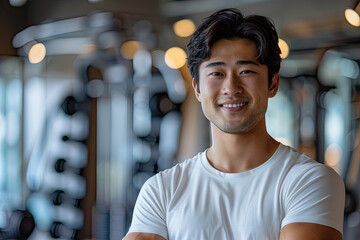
[193, 200]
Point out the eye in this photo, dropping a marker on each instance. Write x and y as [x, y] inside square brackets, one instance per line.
[216, 74]
[246, 72]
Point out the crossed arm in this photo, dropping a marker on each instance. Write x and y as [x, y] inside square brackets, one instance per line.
[294, 231]
[143, 236]
[309, 231]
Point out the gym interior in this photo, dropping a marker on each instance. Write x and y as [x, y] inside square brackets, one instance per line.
[96, 97]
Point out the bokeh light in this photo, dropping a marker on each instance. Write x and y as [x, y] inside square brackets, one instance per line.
[284, 47]
[175, 57]
[184, 28]
[129, 48]
[352, 17]
[37, 53]
[333, 155]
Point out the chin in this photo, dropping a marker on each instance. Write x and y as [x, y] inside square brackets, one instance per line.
[235, 129]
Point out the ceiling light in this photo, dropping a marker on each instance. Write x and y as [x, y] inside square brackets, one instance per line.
[175, 57]
[352, 17]
[37, 53]
[184, 28]
[284, 47]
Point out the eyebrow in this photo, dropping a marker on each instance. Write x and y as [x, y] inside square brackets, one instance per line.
[240, 62]
[245, 62]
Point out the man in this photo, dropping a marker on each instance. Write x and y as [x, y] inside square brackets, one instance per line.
[246, 185]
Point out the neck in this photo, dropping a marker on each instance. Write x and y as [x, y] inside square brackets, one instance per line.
[239, 152]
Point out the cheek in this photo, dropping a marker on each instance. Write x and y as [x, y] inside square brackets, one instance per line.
[209, 87]
[259, 93]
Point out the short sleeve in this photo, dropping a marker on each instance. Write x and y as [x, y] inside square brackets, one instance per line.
[317, 196]
[150, 209]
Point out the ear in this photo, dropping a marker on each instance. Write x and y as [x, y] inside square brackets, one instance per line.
[274, 86]
[196, 89]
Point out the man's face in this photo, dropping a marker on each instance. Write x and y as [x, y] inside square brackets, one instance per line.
[234, 88]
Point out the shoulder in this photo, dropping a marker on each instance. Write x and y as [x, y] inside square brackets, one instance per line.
[312, 193]
[185, 167]
[303, 166]
[304, 173]
[175, 174]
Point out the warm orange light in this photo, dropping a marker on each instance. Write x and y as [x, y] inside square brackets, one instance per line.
[333, 155]
[284, 47]
[37, 53]
[175, 57]
[184, 28]
[129, 48]
[352, 17]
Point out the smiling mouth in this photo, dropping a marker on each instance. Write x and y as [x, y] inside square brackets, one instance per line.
[235, 105]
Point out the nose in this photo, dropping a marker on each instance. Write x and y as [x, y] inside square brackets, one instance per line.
[232, 85]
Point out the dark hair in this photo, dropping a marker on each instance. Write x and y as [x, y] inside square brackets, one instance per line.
[228, 24]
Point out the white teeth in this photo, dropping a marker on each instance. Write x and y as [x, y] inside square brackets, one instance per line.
[234, 105]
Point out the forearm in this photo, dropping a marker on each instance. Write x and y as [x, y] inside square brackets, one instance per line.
[143, 236]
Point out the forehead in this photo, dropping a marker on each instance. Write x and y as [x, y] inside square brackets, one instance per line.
[237, 47]
[231, 52]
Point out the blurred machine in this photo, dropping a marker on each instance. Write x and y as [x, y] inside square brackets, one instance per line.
[138, 129]
[16, 222]
[339, 108]
[97, 123]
